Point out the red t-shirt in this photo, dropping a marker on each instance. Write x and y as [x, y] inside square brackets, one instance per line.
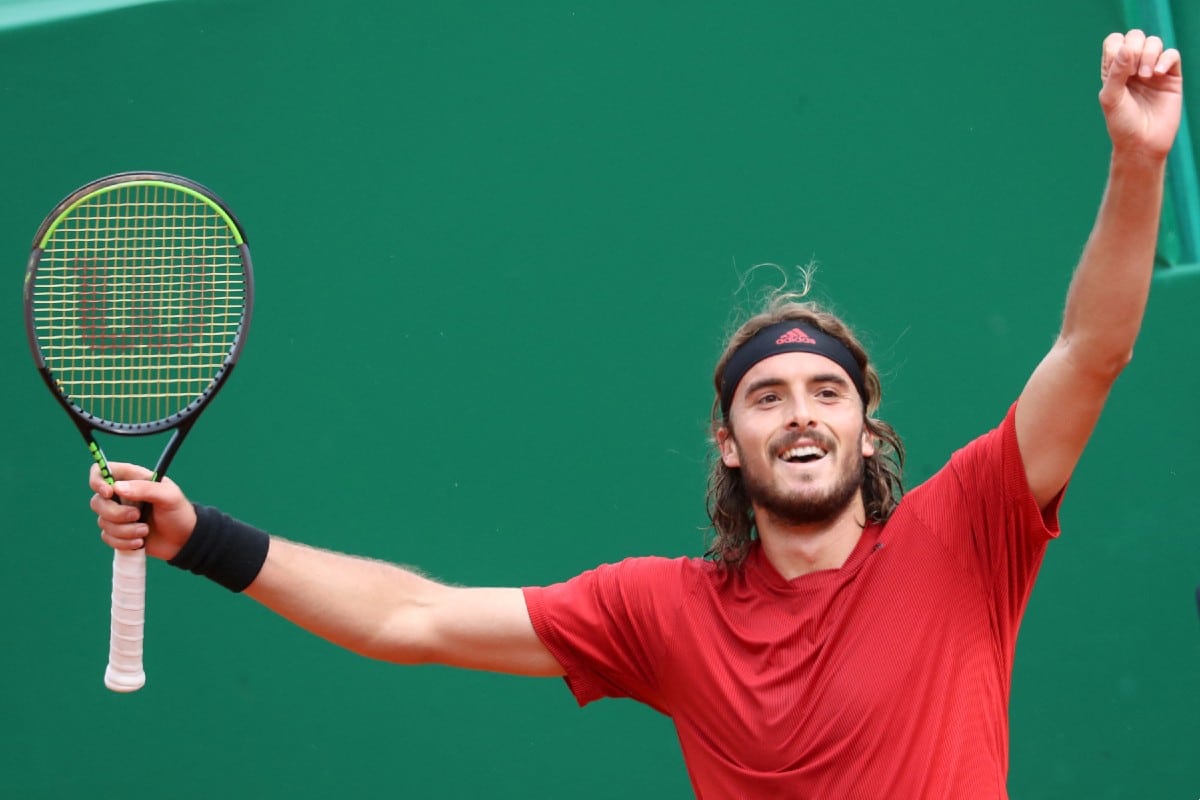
[888, 677]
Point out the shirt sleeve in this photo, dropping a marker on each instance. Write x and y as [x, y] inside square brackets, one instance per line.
[981, 506]
[608, 626]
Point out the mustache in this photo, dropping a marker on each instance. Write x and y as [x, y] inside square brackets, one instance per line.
[789, 439]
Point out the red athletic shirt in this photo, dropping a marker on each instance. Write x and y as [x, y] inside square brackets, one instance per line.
[886, 678]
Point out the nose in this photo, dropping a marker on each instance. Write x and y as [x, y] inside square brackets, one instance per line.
[800, 413]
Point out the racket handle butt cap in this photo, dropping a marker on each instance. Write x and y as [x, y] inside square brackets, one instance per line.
[123, 681]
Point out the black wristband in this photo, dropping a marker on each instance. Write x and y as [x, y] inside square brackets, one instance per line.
[223, 549]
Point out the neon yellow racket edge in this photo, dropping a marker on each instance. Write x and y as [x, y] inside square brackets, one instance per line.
[137, 296]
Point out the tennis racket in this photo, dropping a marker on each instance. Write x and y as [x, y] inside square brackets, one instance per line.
[137, 303]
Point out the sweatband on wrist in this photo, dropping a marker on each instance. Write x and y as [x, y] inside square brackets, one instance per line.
[789, 336]
[223, 549]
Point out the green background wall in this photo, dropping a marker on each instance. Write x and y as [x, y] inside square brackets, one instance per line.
[497, 249]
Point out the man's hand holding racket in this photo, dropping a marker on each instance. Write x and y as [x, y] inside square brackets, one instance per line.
[162, 531]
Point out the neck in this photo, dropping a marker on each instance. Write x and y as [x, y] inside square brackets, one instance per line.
[800, 549]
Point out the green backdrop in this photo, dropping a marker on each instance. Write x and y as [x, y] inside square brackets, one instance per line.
[497, 250]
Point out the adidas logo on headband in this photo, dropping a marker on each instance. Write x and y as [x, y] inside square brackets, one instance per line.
[795, 336]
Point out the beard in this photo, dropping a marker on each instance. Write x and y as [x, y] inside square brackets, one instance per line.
[796, 508]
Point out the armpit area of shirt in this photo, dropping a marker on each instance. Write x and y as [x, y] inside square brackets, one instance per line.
[1043, 521]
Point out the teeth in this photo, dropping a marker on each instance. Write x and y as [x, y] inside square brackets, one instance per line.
[801, 452]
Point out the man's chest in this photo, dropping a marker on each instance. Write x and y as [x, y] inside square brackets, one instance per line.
[773, 681]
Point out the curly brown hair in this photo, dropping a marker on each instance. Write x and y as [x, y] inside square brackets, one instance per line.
[729, 507]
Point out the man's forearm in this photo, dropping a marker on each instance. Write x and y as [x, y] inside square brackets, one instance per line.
[356, 603]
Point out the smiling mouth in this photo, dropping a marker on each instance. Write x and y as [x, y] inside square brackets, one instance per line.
[803, 455]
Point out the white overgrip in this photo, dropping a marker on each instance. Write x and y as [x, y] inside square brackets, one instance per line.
[125, 672]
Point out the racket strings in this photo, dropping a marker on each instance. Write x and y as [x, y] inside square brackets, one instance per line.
[138, 300]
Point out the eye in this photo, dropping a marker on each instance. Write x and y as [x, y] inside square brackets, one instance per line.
[766, 398]
[828, 393]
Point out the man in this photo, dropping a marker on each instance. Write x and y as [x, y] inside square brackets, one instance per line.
[840, 642]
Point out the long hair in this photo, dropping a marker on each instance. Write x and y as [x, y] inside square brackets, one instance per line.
[729, 507]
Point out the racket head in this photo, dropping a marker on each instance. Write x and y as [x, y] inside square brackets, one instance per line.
[138, 298]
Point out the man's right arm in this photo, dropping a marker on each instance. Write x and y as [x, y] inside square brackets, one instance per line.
[373, 608]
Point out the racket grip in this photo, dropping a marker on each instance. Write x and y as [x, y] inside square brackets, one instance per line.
[125, 673]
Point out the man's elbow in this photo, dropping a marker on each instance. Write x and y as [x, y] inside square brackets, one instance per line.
[1097, 358]
[402, 639]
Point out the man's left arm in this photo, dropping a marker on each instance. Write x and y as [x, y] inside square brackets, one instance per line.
[1142, 98]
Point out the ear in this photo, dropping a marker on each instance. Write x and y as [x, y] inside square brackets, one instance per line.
[868, 442]
[728, 447]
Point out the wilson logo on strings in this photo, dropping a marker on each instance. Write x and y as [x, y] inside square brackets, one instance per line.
[126, 310]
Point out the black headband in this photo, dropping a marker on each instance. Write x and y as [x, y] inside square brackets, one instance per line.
[789, 336]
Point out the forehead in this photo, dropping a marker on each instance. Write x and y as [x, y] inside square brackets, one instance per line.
[793, 367]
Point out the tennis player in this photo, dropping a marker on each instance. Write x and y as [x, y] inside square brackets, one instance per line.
[841, 640]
